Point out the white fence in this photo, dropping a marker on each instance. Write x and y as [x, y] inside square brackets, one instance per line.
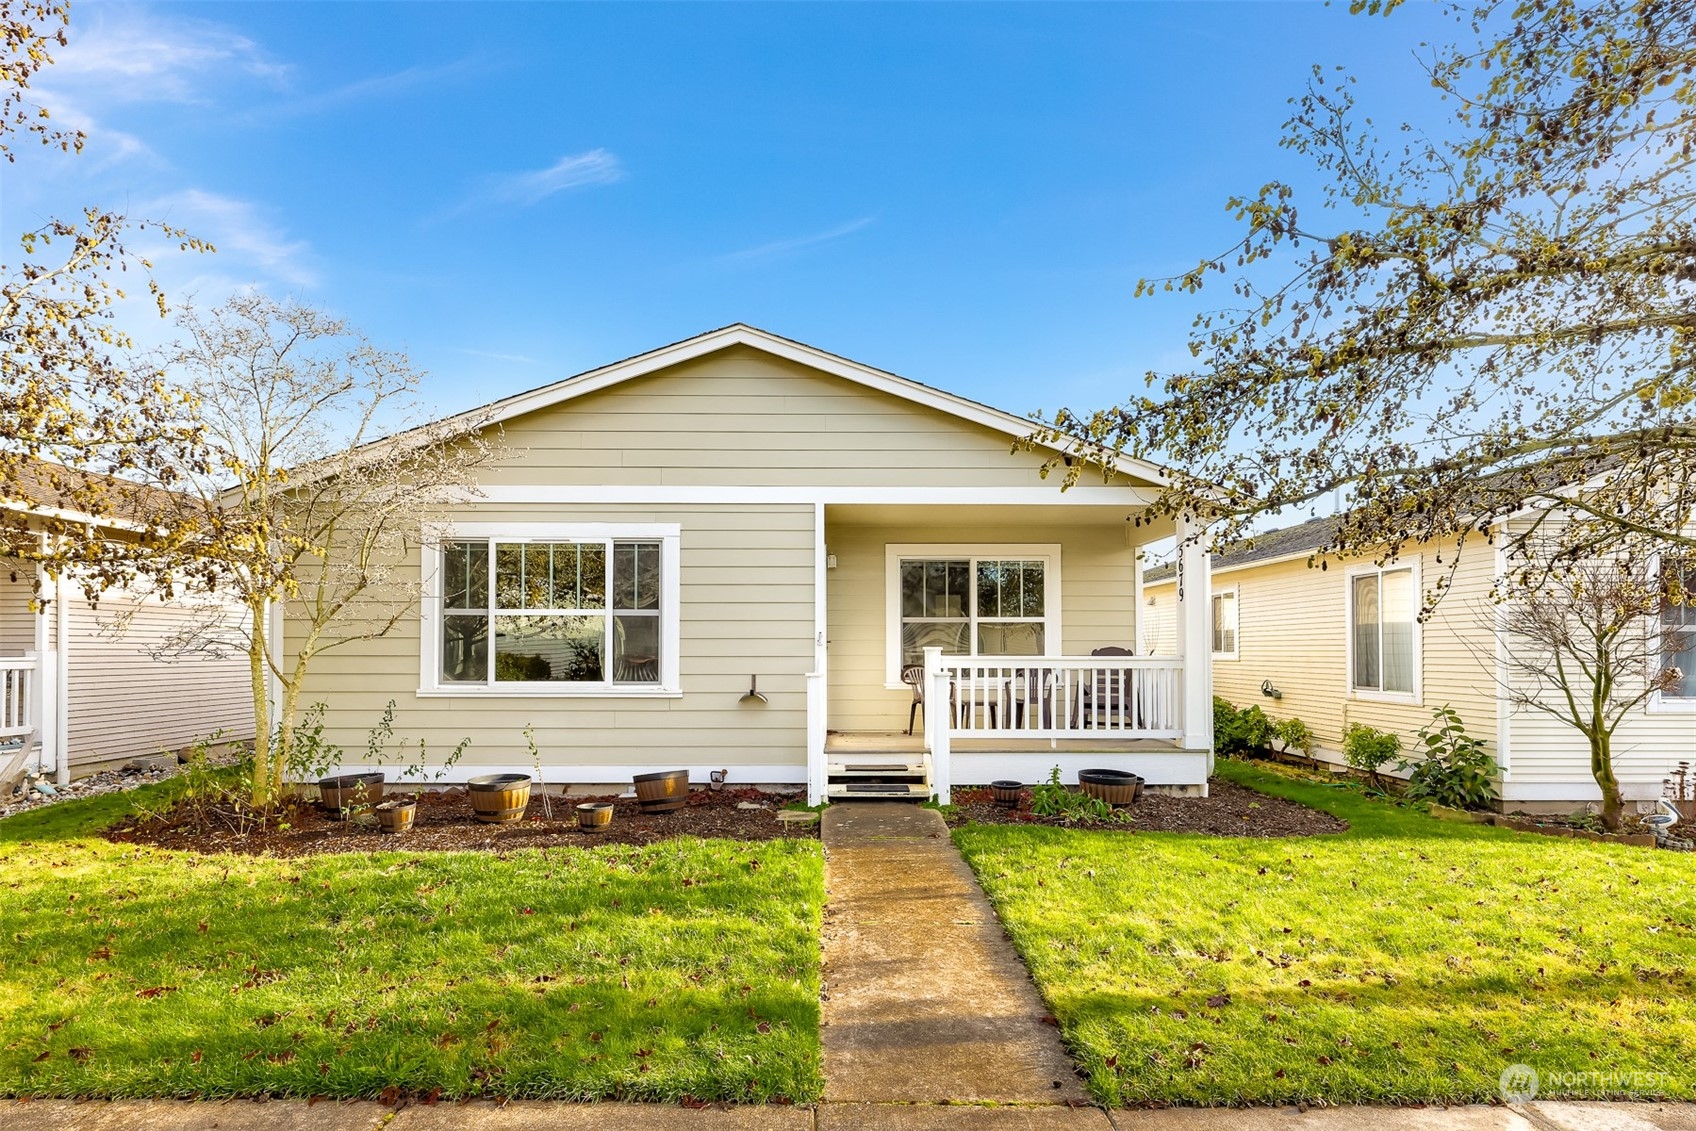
[17, 698]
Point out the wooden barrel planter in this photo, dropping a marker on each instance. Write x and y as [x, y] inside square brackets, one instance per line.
[663, 792]
[1116, 787]
[499, 799]
[396, 816]
[593, 816]
[1007, 792]
[340, 795]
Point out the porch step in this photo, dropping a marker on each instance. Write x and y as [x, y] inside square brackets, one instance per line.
[904, 791]
[899, 769]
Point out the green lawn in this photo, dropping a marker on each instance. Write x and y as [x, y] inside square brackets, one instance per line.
[1407, 959]
[687, 968]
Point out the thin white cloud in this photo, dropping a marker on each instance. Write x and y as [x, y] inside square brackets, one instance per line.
[377, 86]
[241, 233]
[784, 247]
[594, 167]
[131, 54]
[514, 357]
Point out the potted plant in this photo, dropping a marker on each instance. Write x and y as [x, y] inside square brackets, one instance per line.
[1680, 790]
[1116, 787]
[1007, 792]
[593, 816]
[499, 799]
[395, 815]
[344, 793]
[663, 792]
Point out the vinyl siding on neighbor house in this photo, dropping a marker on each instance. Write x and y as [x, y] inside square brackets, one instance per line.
[1293, 631]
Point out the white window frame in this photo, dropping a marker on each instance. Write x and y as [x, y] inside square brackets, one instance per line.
[1416, 697]
[1234, 592]
[1661, 703]
[668, 534]
[894, 553]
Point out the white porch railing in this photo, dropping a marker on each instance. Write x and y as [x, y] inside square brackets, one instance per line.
[1047, 697]
[17, 698]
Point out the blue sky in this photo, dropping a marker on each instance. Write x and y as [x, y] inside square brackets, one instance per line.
[962, 194]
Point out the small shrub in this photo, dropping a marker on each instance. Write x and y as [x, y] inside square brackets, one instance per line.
[1053, 799]
[1456, 770]
[1293, 734]
[1368, 749]
[1235, 732]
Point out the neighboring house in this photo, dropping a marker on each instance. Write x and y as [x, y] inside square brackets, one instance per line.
[726, 553]
[1341, 642]
[80, 689]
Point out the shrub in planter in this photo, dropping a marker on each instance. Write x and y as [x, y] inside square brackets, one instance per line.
[593, 816]
[1456, 770]
[499, 799]
[396, 816]
[1006, 792]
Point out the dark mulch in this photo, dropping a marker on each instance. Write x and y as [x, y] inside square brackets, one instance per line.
[444, 823]
[1227, 810]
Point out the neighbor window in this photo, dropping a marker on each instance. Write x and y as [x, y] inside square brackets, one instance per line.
[1383, 616]
[1225, 623]
[1678, 632]
[972, 604]
[577, 613]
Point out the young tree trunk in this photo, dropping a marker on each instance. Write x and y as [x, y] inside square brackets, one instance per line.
[1602, 768]
[285, 733]
[260, 788]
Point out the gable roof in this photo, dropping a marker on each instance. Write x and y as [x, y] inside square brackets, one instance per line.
[69, 494]
[1272, 545]
[741, 334]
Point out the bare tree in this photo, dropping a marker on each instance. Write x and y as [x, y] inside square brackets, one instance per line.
[1583, 647]
[321, 478]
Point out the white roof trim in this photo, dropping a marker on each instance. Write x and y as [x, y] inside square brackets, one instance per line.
[741, 334]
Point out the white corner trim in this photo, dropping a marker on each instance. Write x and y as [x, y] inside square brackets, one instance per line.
[893, 552]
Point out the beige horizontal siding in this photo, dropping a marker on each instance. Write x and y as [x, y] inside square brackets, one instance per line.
[122, 702]
[1096, 595]
[747, 610]
[741, 417]
[17, 619]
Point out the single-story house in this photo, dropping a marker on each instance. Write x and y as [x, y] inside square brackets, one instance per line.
[81, 689]
[742, 553]
[1335, 641]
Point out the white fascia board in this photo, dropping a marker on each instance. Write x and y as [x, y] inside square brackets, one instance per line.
[648, 494]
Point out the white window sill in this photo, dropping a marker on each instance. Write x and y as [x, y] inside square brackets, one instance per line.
[522, 691]
[1406, 699]
[1225, 656]
[1671, 705]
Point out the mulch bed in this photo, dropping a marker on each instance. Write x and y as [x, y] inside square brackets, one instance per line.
[444, 823]
[1227, 810]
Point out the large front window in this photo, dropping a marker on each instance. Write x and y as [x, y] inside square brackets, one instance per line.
[1383, 630]
[973, 604]
[583, 612]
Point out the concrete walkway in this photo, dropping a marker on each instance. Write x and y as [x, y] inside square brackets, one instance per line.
[297, 1115]
[925, 999]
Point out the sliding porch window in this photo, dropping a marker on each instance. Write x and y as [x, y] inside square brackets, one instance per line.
[970, 605]
[579, 613]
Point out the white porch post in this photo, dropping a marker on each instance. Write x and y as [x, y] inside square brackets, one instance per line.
[939, 721]
[46, 692]
[818, 697]
[1195, 643]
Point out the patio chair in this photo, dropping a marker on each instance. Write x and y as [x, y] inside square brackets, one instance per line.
[914, 676]
[1104, 698]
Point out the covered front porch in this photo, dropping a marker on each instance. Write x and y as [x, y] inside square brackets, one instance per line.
[970, 643]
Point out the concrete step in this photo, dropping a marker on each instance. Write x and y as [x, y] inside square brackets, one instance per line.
[909, 791]
[886, 768]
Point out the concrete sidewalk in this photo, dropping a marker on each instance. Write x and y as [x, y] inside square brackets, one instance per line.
[925, 998]
[297, 1115]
